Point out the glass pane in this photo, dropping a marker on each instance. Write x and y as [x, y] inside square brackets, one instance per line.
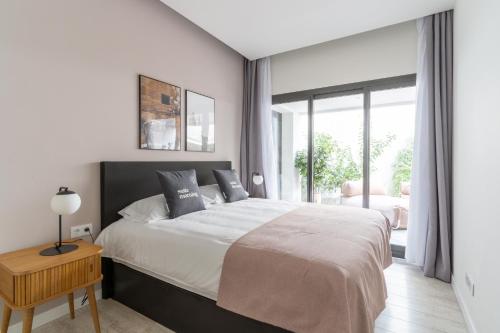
[338, 150]
[290, 126]
[392, 127]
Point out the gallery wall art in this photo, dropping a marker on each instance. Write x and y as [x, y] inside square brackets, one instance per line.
[160, 114]
[200, 122]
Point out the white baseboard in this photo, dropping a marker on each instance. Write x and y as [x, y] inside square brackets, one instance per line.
[465, 310]
[52, 314]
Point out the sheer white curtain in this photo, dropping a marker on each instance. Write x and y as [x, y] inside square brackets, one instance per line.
[419, 207]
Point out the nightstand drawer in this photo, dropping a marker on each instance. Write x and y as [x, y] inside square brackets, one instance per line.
[35, 287]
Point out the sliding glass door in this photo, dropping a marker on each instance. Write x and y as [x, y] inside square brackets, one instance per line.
[392, 128]
[338, 150]
[349, 145]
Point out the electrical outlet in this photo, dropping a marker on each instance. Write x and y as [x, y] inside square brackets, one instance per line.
[469, 283]
[79, 230]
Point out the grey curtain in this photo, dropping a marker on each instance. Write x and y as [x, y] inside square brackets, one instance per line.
[256, 153]
[429, 229]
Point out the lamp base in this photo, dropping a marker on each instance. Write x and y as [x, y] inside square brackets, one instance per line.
[55, 251]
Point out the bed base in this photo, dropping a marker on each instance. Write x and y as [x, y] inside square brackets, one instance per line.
[175, 308]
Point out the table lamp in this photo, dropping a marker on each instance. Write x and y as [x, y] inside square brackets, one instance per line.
[258, 190]
[65, 202]
[257, 178]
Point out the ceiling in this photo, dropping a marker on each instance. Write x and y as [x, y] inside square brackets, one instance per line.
[259, 28]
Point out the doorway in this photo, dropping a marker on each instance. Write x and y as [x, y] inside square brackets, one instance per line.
[349, 145]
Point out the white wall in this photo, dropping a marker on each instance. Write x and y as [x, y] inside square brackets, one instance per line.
[377, 54]
[476, 176]
[69, 99]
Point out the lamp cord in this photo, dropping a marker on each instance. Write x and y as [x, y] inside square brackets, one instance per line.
[90, 234]
[86, 296]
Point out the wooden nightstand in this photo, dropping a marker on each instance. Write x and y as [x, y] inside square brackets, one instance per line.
[28, 279]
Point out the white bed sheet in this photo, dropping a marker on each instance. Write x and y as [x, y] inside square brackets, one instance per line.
[188, 251]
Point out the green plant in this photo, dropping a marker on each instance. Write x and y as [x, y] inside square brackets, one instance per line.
[401, 168]
[377, 148]
[333, 164]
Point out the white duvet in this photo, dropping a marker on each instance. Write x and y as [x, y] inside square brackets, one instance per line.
[188, 251]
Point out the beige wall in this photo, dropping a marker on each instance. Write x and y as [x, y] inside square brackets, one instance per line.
[381, 53]
[476, 164]
[69, 99]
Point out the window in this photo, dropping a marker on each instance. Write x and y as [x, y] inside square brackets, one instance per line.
[337, 147]
[349, 145]
[290, 126]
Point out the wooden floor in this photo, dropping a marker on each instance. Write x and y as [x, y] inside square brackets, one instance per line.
[114, 318]
[416, 304]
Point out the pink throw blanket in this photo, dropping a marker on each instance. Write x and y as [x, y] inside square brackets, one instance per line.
[314, 269]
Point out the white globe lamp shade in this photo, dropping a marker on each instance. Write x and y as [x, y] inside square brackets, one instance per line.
[65, 202]
[258, 179]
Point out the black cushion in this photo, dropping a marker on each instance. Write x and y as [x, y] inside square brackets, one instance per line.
[230, 185]
[181, 192]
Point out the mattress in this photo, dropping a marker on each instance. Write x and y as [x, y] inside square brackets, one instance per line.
[188, 251]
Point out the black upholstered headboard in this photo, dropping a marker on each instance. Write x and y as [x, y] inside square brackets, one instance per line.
[125, 182]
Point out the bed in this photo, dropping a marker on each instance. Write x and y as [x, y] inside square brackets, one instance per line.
[170, 271]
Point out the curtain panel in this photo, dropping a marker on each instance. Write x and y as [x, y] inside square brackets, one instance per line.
[429, 230]
[256, 152]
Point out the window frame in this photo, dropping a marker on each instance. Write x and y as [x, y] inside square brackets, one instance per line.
[366, 88]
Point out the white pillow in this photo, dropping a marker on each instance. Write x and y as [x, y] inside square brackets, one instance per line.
[146, 210]
[211, 194]
[155, 208]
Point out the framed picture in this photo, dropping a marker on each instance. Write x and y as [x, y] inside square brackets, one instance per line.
[200, 122]
[159, 115]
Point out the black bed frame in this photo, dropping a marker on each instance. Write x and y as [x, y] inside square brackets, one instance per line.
[178, 309]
